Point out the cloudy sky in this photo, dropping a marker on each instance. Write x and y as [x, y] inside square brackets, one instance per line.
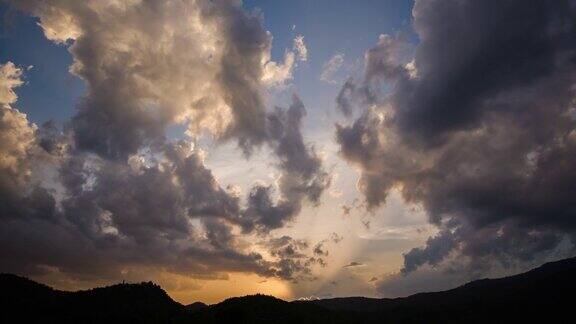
[303, 149]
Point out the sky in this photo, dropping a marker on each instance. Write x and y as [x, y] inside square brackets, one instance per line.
[301, 149]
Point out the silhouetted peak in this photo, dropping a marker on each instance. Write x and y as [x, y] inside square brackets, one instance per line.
[8, 278]
[255, 297]
[539, 294]
[196, 306]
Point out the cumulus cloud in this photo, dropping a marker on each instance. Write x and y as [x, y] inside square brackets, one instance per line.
[300, 48]
[276, 75]
[9, 80]
[330, 68]
[151, 64]
[111, 192]
[18, 151]
[477, 127]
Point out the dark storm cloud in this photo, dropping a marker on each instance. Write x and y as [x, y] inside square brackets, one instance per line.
[437, 248]
[479, 128]
[493, 48]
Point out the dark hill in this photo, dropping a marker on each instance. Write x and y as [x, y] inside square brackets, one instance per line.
[263, 309]
[196, 306]
[25, 301]
[544, 294]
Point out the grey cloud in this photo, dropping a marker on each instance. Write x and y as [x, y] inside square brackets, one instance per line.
[303, 177]
[319, 249]
[111, 191]
[495, 49]
[347, 209]
[116, 216]
[295, 256]
[266, 214]
[151, 64]
[353, 264]
[164, 212]
[287, 247]
[366, 224]
[343, 100]
[241, 74]
[279, 242]
[437, 248]
[478, 128]
[293, 262]
[295, 157]
[208, 72]
[386, 61]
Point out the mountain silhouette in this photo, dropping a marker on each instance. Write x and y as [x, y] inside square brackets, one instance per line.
[544, 294]
[25, 301]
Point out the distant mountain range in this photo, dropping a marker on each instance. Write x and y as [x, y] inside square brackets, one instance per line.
[545, 294]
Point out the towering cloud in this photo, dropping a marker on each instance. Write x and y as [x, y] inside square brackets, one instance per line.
[150, 64]
[112, 193]
[478, 127]
[19, 152]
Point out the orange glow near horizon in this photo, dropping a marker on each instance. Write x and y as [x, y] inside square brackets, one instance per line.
[238, 284]
[183, 289]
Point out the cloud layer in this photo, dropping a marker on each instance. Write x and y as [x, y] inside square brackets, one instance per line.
[111, 193]
[477, 127]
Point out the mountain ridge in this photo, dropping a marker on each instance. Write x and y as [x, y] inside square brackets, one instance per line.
[543, 293]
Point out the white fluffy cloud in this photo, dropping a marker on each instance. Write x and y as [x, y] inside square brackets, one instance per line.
[17, 135]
